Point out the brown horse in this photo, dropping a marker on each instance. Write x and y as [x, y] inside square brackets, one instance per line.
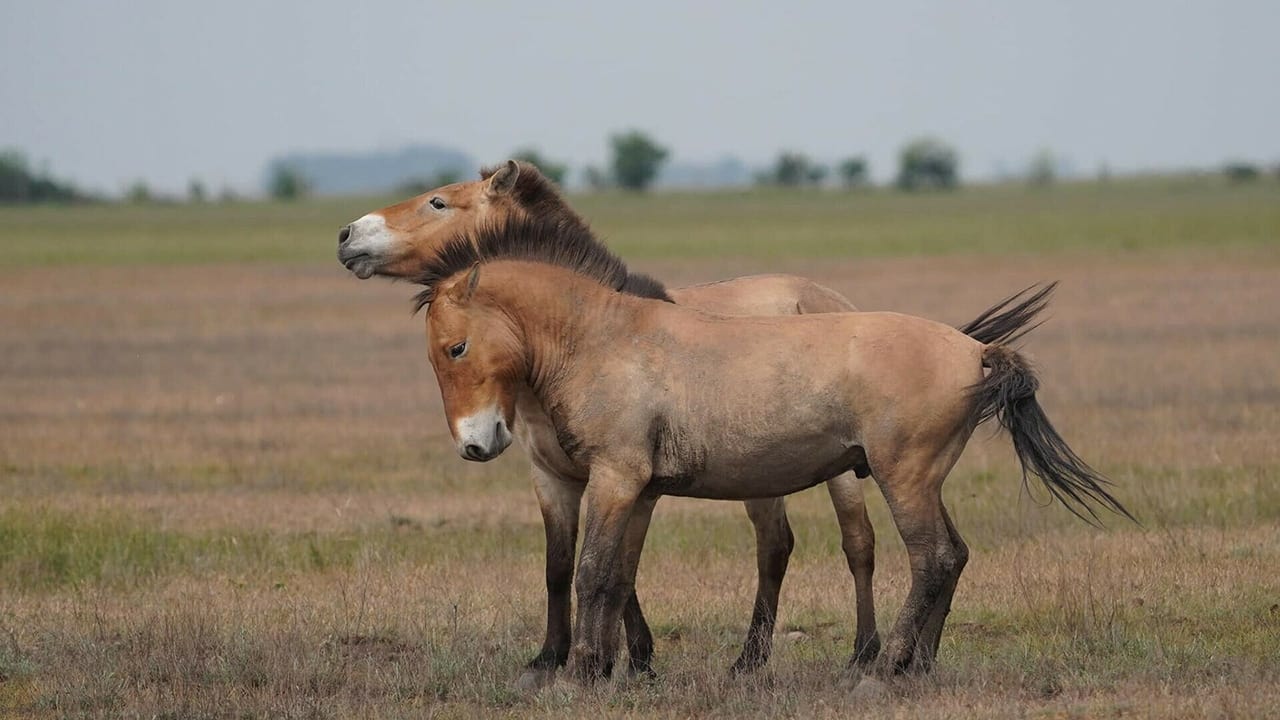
[657, 399]
[404, 239]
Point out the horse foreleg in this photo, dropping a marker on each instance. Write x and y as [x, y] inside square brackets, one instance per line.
[602, 585]
[639, 637]
[559, 501]
[774, 542]
[858, 539]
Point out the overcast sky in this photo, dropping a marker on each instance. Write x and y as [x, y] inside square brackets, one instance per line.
[164, 90]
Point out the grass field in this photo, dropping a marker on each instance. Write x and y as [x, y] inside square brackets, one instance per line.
[226, 486]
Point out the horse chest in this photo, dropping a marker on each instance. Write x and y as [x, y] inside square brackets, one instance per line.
[540, 438]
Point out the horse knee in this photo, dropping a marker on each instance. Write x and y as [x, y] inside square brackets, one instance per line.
[961, 555]
[559, 578]
[786, 542]
[774, 545]
[860, 550]
[950, 559]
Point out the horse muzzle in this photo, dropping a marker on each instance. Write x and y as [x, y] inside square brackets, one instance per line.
[365, 246]
[483, 436]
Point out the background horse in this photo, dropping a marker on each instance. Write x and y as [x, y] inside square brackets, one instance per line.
[405, 239]
[658, 399]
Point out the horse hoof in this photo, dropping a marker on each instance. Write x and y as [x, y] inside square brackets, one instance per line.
[534, 679]
[870, 690]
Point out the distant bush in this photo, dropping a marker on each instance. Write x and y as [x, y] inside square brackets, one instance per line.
[196, 191]
[287, 183]
[792, 169]
[854, 172]
[1042, 171]
[20, 184]
[1241, 172]
[139, 193]
[554, 171]
[636, 160]
[927, 163]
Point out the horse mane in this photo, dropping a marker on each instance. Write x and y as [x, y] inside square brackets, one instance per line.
[537, 195]
[544, 240]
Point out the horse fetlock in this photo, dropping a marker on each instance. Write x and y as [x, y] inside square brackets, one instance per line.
[865, 650]
[922, 662]
[641, 667]
[640, 649]
[587, 665]
[755, 651]
[895, 658]
[588, 668]
[549, 658]
[748, 662]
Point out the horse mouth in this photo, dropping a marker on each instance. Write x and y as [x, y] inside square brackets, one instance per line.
[362, 265]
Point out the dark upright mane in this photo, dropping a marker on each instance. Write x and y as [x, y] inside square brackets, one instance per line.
[544, 240]
[536, 195]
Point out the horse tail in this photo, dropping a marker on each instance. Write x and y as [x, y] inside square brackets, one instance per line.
[1008, 393]
[1003, 325]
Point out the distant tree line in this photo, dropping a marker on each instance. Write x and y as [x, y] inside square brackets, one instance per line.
[635, 161]
[794, 169]
[19, 183]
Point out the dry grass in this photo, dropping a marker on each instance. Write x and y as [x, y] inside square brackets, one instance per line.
[227, 491]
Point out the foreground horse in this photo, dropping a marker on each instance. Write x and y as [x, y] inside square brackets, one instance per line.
[657, 399]
[406, 239]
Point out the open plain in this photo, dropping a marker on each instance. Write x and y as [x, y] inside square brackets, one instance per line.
[227, 488]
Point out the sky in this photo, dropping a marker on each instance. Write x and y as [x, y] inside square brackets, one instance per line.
[107, 93]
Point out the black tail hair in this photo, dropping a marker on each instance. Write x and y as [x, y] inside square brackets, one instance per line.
[996, 325]
[1009, 394]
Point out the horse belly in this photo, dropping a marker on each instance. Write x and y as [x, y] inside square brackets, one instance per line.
[760, 471]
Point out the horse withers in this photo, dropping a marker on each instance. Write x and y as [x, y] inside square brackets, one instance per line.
[657, 399]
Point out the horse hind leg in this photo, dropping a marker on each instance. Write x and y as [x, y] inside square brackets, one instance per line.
[913, 490]
[858, 540]
[774, 542]
[926, 651]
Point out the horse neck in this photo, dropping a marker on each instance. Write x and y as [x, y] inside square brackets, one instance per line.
[559, 321]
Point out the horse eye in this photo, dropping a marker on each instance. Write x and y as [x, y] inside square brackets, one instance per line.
[437, 203]
[456, 351]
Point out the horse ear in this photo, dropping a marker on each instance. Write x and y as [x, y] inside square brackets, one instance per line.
[502, 181]
[461, 292]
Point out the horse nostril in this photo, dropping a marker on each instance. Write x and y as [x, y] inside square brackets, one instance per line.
[343, 234]
[473, 451]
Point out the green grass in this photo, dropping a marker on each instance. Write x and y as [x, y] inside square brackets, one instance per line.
[45, 550]
[756, 223]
